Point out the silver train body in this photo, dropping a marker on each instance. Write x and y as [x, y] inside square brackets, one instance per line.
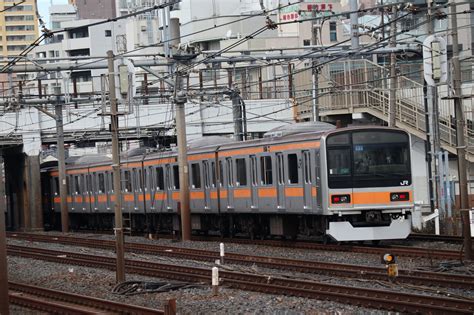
[351, 184]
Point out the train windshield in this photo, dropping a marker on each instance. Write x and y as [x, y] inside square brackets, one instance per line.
[368, 159]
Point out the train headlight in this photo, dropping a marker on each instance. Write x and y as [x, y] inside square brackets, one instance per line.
[399, 196]
[337, 199]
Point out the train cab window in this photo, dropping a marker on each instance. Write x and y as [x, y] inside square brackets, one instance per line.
[160, 180]
[195, 175]
[77, 184]
[241, 174]
[176, 176]
[293, 177]
[127, 181]
[101, 179]
[266, 170]
[341, 139]
[339, 161]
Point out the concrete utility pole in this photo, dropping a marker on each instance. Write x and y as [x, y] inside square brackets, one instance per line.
[460, 141]
[4, 303]
[58, 109]
[392, 112]
[354, 25]
[237, 115]
[180, 101]
[314, 42]
[433, 121]
[119, 242]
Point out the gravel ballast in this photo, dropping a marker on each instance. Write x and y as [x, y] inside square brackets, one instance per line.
[198, 300]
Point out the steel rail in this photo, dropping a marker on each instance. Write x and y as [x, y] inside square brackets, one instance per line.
[424, 278]
[380, 299]
[60, 302]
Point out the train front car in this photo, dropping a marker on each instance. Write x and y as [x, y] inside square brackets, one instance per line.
[369, 184]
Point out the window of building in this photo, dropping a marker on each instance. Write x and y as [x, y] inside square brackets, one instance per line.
[195, 175]
[16, 47]
[266, 170]
[160, 180]
[306, 42]
[333, 31]
[241, 172]
[108, 33]
[293, 168]
[176, 176]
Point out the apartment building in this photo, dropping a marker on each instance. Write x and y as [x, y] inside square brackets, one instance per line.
[18, 26]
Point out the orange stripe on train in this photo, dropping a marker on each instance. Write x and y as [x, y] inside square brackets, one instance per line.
[242, 193]
[294, 192]
[267, 192]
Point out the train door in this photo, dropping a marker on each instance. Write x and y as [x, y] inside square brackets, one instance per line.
[280, 181]
[94, 192]
[207, 185]
[230, 183]
[307, 182]
[254, 182]
[102, 192]
[89, 192]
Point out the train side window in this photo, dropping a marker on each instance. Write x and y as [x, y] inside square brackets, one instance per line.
[195, 175]
[266, 170]
[101, 183]
[293, 177]
[56, 186]
[127, 182]
[254, 170]
[111, 182]
[205, 173]
[77, 184]
[280, 170]
[89, 186]
[307, 167]
[213, 174]
[230, 174]
[160, 180]
[221, 174]
[141, 179]
[176, 176]
[241, 173]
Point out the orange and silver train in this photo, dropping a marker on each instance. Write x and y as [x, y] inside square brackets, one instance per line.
[351, 184]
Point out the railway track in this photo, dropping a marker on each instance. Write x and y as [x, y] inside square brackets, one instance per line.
[59, 302]
[436, 238]
[379, 250]
[317, 267]
[379, 299]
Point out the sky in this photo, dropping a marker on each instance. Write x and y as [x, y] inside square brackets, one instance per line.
[43, 7]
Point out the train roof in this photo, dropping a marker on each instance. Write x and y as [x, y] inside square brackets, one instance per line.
[308, 131]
